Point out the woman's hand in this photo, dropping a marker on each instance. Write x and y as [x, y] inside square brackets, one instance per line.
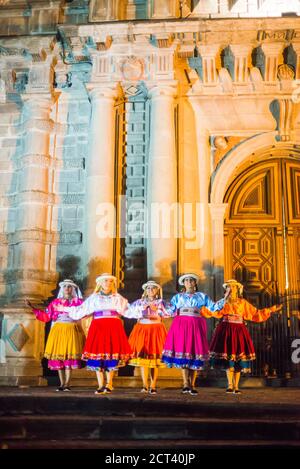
[28, 303]
[278, 309]
[227, 293]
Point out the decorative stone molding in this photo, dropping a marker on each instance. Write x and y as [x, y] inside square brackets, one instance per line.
[285, 72]
[73, 199]
[271, 52]
[208, 55]
[13, 275]
[74, 237]
[27, 197]
[286, 118]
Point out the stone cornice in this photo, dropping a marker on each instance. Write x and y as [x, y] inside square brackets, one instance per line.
[236, 31]
[41, 236]
[28, 197]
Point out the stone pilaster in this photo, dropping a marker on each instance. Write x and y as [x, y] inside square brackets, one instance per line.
[204, 171]
[100, 184]
[217, 214]
[31, 242]
[162, 188]
[241, 54]
[271, 52]
[31, 245]
[208, 55]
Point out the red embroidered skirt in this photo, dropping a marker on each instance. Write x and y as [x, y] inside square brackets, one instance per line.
[106, 340]
[232, 341]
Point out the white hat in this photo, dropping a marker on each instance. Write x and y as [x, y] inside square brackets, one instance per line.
[76, 289]
[105, 276]
[150, 283]
[184, 276]
[67, 281]
[234, 282]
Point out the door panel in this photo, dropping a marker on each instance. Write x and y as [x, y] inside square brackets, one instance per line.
[262, 251]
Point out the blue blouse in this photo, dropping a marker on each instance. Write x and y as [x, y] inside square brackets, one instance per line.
[195, 300]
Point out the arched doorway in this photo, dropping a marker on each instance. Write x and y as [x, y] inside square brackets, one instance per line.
[262, 250]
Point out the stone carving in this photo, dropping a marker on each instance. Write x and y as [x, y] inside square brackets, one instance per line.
[221, 143]
[132, 68]
[285, 72]
[17, 337]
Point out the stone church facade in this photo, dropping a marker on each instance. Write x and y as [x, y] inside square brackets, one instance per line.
[109, 108]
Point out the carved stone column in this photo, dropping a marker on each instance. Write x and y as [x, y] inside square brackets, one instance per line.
[30, 245]
[162, 188]
[31, 242]
[100, 183]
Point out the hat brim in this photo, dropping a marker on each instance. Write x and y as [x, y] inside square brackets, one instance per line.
[150, 284]
[105, 277]
[237, 284]
[184, 276]
[63, 284]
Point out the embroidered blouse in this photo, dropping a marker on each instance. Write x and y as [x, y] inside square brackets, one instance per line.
[239, 311]
[99, 305]
[195, 301]
[52, 314]
[148, 312]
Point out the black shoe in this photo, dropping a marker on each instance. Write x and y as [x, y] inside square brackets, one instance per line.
[237, 391]
[100, 390]
[229, 390]
[185, 390]
[193, 392]
[60, 388]
[67, 388]
[107, 390]
[152, 391]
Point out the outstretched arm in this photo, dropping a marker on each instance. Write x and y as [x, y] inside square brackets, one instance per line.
[206, 313]
[79, 312]
[251, 313]
[134, 310]
[171, 307]
[42, 315]
[214, 306]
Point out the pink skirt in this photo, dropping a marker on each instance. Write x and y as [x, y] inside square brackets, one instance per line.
[186, 345]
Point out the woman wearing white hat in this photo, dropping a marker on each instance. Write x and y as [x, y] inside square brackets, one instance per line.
[231, 347]
[106, 346]
[186, 346]
[66, 339]
[149, 334]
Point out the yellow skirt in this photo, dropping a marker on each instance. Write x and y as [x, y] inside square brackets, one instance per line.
[65, 342]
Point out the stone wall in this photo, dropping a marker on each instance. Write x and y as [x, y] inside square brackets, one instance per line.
[178, 82]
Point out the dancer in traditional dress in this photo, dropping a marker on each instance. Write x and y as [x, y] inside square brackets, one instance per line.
[106, 347]
[231, 347]
[186, 345]
[66, 339]
[149, 334]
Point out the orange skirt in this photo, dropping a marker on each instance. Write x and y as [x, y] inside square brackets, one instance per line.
[147, 342]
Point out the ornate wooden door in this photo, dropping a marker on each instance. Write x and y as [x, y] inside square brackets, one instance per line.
[262, 250]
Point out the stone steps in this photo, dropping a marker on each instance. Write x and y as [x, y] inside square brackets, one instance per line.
[146, 444]
[42, 418]
[72, 427]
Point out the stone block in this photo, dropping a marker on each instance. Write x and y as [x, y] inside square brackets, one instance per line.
[135, 182]
[69, 213]
[69, 176]
[60, 187]
[76, 187]
[70, 225]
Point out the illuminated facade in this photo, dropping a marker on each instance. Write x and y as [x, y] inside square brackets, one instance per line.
[127, 104]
